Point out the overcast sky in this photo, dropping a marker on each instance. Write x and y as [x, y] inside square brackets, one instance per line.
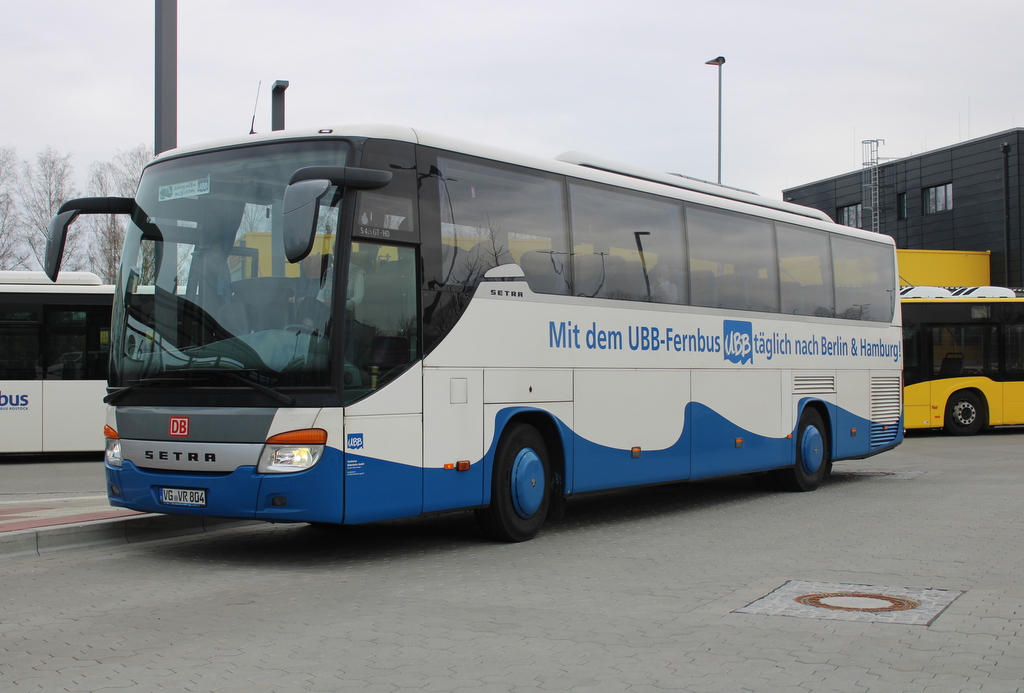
[804, 81]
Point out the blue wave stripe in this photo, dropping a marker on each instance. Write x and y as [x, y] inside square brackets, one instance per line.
[353, 488]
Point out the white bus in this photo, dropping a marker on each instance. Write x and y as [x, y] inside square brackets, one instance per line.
[54, 344]
[359, 324]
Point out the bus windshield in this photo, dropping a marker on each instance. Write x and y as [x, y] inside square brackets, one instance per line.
[204, 290]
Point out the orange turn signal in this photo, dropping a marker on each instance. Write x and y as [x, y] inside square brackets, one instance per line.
[109, 432]
[305, 436]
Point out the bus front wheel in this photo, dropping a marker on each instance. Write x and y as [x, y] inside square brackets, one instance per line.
[965, 413]
[813, 461]
[519, 486]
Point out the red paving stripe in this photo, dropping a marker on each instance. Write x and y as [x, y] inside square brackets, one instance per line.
[64, 520]
[23, 510]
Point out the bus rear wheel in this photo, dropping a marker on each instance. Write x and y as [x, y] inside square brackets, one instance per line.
[813, 461]
[520, 491]
[965, 413]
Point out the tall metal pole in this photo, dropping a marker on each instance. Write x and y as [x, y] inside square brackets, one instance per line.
[719, 61]
[166, 96]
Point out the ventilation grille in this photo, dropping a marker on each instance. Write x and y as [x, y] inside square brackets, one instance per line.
[814, 384]
[886, 410]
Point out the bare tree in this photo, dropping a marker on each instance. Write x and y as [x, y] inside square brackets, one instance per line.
[13, 252]
[116, 178]
[43, 188]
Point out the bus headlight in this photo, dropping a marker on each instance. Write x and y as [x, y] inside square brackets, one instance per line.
[294, 451]
[112, 454]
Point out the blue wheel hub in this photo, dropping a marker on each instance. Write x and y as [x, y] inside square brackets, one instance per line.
[527, 483]
[812, 449]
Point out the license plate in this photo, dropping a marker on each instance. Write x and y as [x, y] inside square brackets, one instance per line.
[195, 498]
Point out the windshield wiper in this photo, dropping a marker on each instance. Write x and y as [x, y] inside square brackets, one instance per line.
[145, 382]
[237, 376]
[189, 376]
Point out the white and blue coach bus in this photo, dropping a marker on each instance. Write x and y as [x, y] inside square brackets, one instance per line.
[54, 342]
[359, 324]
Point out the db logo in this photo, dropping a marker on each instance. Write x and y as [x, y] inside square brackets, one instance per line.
[178, 426]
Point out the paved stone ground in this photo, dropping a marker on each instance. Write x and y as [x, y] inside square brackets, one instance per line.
[36, 494]
[633, 591]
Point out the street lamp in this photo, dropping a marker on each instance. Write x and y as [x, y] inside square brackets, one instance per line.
[719, 61]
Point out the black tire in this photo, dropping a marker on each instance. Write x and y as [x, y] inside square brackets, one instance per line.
[520, 486]
[965, 413]
[813, 459]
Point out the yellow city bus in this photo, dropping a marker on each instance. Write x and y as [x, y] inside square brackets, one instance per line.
[963, 367]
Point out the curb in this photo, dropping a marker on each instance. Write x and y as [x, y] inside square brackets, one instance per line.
[42, 541]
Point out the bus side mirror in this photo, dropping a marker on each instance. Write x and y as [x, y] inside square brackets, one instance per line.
[57, 231]
[56, 235]
[302, 196]
[301, 216]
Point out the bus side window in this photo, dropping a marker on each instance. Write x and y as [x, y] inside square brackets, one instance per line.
[738, 251]
[381, 335]
[492, 215]
[964, 350]
[626, 245]
[1013, 344]
[805, 271]
[76, 343]
[865, 279]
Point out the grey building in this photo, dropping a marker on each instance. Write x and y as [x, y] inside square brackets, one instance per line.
[963, 197]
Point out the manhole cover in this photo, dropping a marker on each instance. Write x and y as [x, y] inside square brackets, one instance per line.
[841, 602]
[857, 601]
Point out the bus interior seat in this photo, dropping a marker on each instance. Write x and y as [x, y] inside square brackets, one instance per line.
[389, 301]
[853, 303]
[233, 317]
[482, 257]
[276, 315]
[591, 277]
[666, 283]
[761, 295]
[791, 293]
[732, 292]
[703, 288]
[952, 364]
[626, 279]
[540, 272]
[270, 301]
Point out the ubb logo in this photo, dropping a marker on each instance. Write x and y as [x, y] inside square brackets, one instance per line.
[738, 345]
[13, 400]
[355, 441]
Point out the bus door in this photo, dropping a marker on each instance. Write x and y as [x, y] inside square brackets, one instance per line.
[382, 382]
[969, 354]
[1013, 372]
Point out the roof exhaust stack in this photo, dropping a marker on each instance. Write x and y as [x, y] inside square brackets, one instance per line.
[165, 101]
[277, 105]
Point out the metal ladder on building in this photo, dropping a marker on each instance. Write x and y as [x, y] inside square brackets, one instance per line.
[870, 182]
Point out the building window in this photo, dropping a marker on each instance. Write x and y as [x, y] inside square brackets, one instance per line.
[938, 198]
[851, 215]
[901, 206]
